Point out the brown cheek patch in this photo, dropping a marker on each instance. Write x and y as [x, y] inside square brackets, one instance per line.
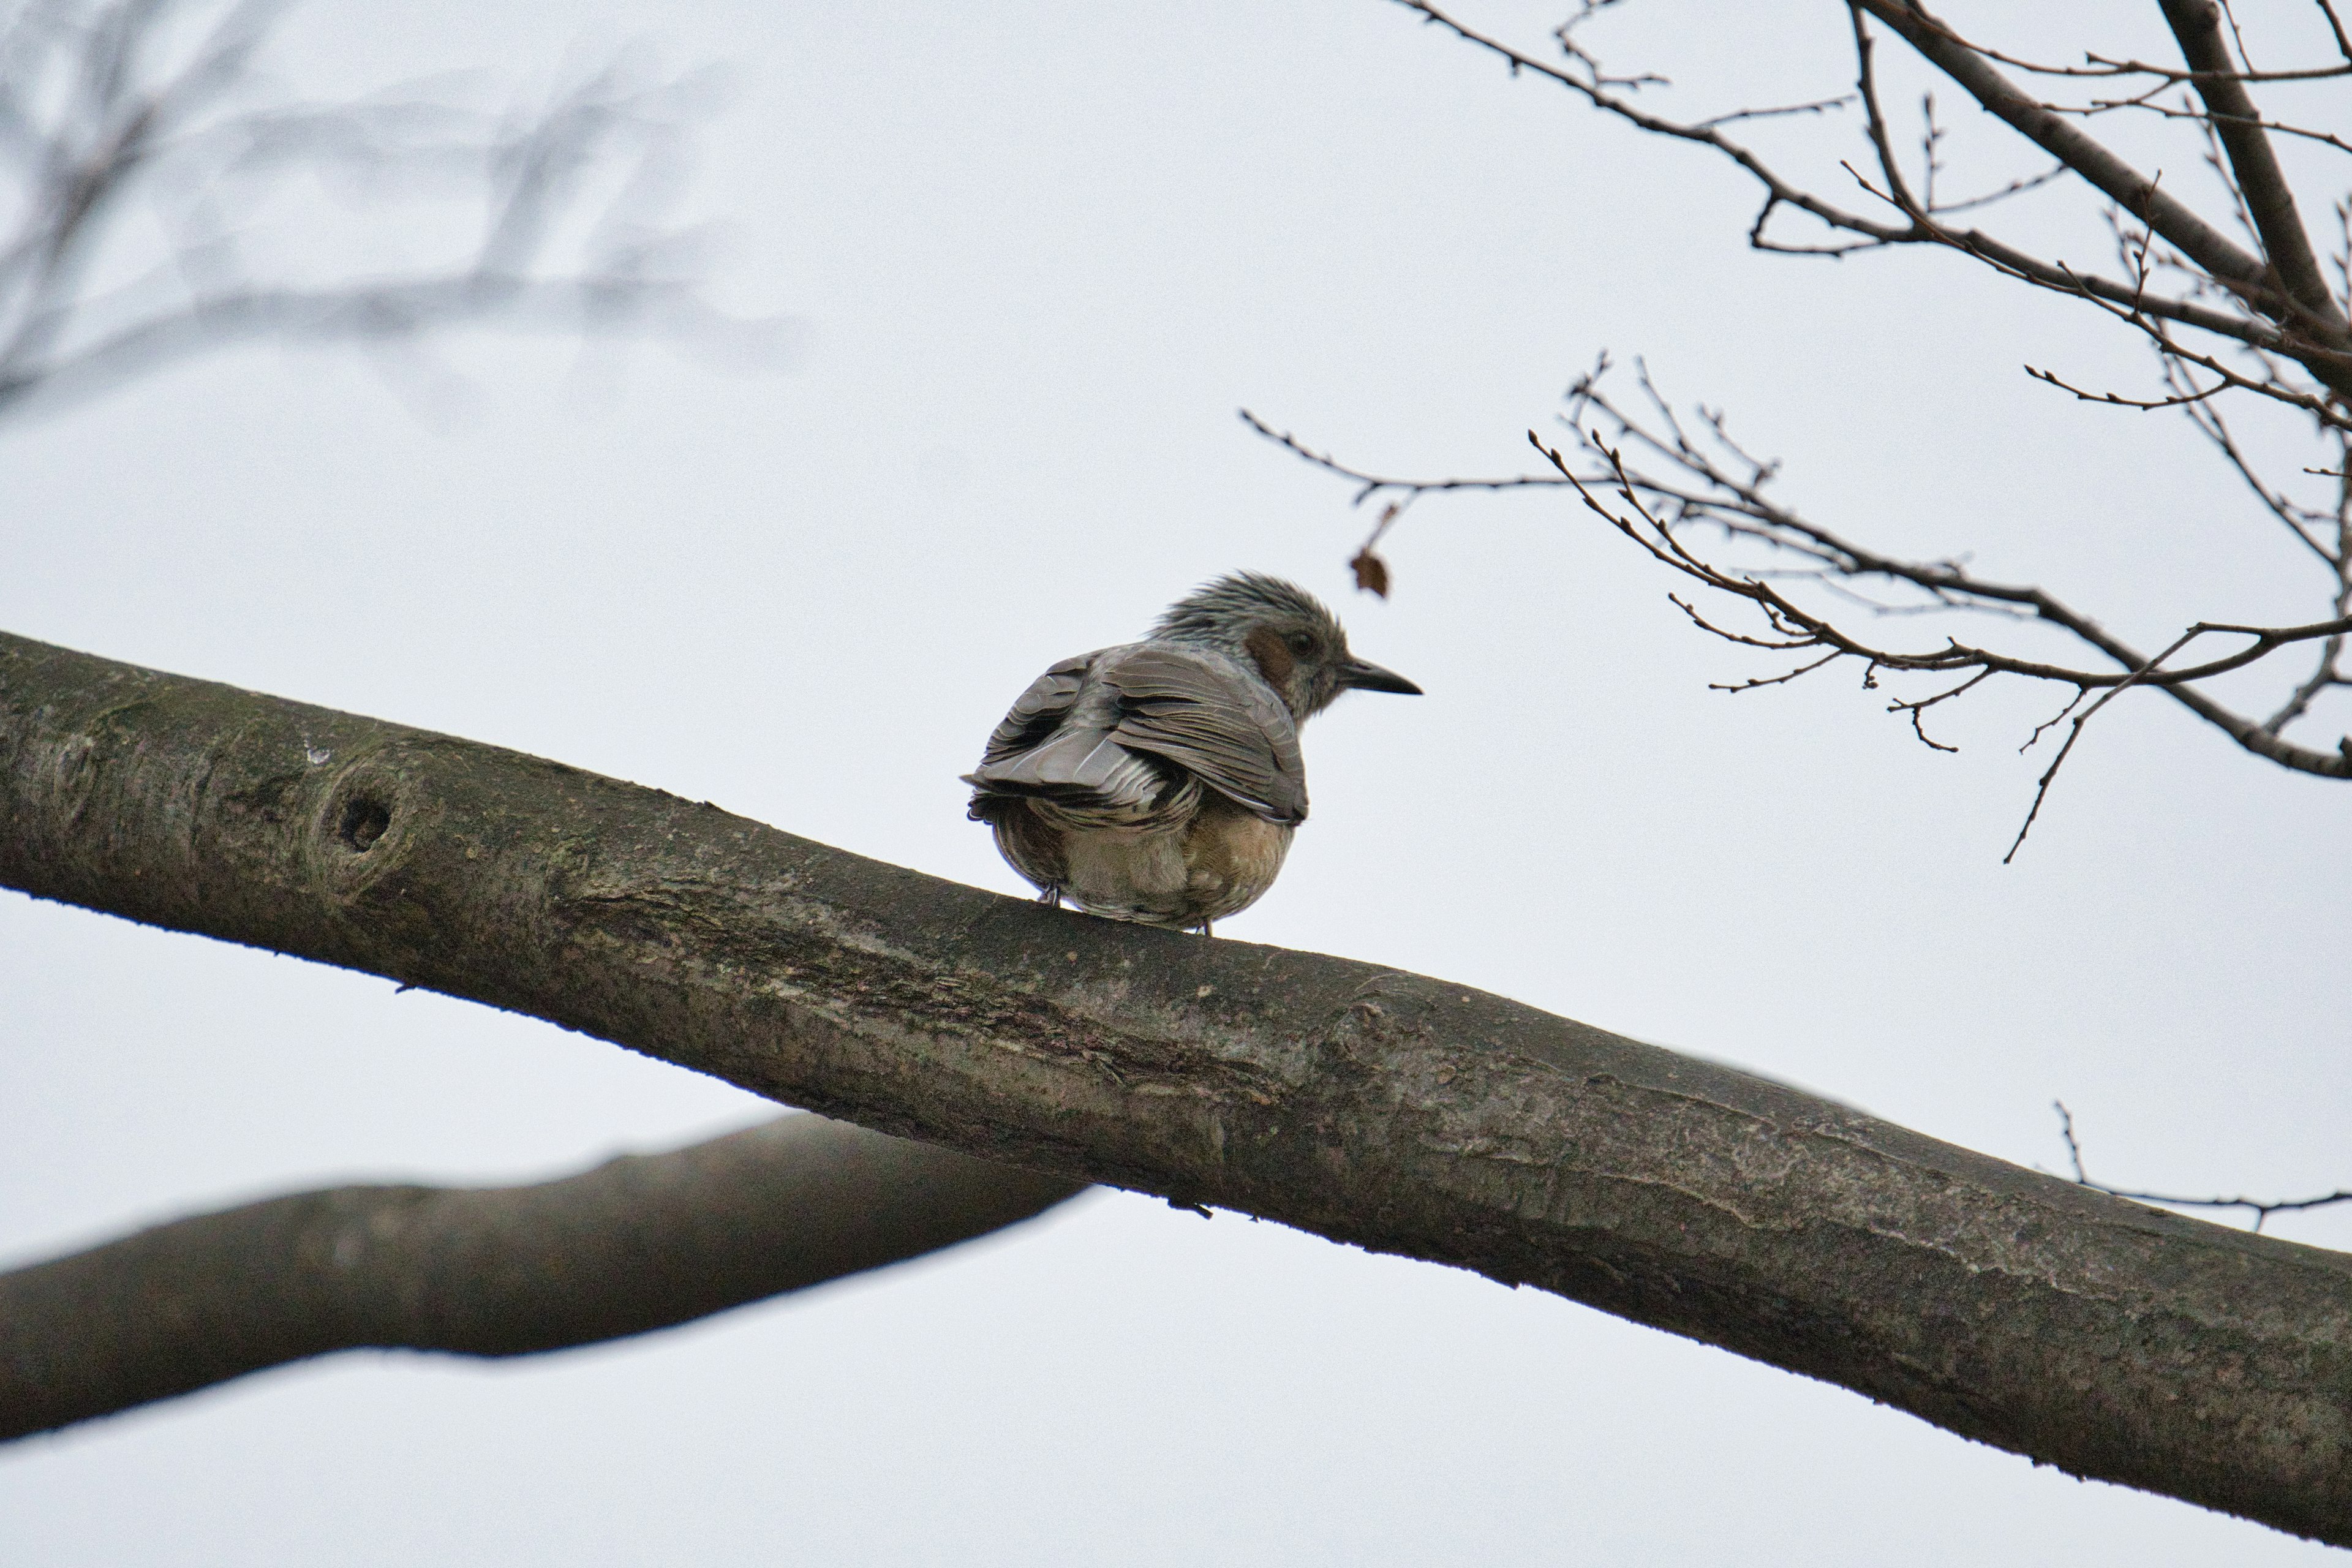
[1273, 661]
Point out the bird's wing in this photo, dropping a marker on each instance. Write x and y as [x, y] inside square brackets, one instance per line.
[1038, 712]
[1205, 715]
[1057, 745]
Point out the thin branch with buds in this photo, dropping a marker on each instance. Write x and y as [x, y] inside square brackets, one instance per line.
[1697, 474]
[2245, 322]
[2259, 314]
[2261, 1208]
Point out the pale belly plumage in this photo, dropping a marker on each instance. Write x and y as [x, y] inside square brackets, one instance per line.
[1214, 863]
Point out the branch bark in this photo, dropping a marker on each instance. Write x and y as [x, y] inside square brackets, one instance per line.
[2270, 201]
[2318, 338]
[2070, 145]
[1383, 1108]
[638, 1242]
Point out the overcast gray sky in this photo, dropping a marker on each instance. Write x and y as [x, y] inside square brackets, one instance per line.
[1038, 256]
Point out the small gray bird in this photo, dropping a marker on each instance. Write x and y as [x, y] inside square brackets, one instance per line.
[1160, 780]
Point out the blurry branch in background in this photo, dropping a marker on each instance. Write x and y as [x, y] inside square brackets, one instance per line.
[160, 196]
[2242, 328]
[639, 1243]
[2263, 1208]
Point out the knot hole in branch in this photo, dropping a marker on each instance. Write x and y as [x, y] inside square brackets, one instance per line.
[364, 821]
[361, 832]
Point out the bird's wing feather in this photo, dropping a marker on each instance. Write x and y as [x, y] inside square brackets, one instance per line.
[1205, 715]
[1057, 746]
[1038, 712]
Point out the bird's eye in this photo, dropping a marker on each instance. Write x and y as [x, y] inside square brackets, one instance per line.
[1299, 643]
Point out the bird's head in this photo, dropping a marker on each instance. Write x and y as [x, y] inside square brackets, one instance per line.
[1284, 633]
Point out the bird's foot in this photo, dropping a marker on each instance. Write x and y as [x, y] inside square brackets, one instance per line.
[1051, 898]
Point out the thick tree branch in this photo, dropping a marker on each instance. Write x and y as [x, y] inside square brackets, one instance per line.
[2317, 337]
[1384, 1108]
[1919, 228]
[639, 1243]
[2262, 183]
[2070, 145]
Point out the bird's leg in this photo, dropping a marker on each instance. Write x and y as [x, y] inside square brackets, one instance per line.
[1051, 898]
[1204, 929]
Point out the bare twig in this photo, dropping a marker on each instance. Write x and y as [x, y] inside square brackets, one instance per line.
[1582, 77]
[2074, 734]
[2117, 400]
[2279, 337]
[1657, 515]
[2260, 182]
[2263, 1208]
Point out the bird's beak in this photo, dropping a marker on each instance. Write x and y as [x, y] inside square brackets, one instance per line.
[1362, 677]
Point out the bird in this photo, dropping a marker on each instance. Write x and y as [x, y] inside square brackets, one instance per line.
[1160, 782]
